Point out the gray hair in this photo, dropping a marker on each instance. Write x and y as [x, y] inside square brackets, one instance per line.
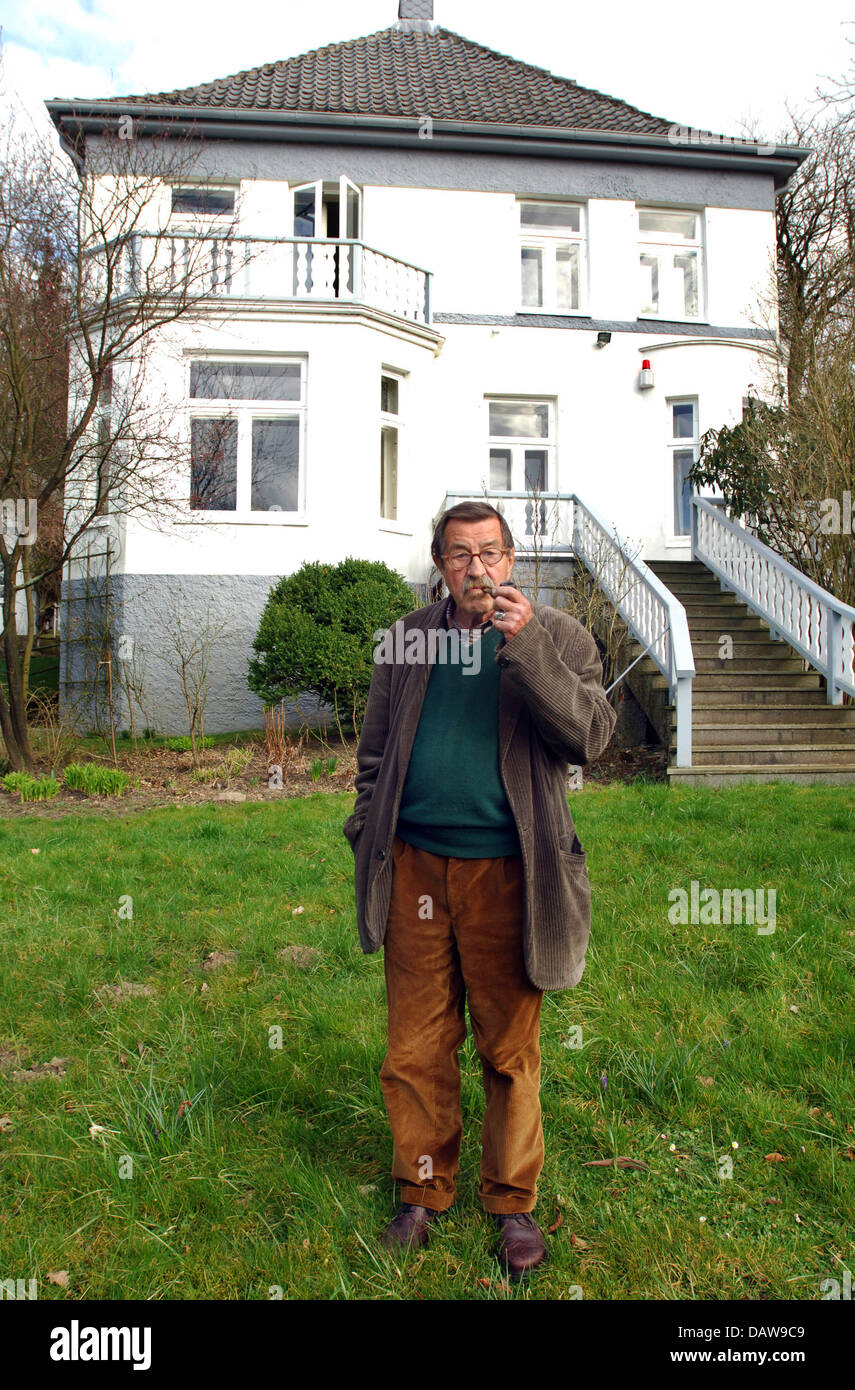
[468, 511]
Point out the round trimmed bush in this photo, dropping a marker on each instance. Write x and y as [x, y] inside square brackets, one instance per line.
[316, 633]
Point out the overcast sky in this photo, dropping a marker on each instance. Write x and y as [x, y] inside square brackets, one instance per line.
[713, 66]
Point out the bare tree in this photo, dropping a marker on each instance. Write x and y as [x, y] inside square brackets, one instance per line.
[816, 244]
[92, 269]
[788, 467]
[192, 639]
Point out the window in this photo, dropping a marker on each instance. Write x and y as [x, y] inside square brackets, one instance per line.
[246, 440]
[325, 212]
[683, 447]
[521, 445]
[327, 208]
[104, 445]
[671, 263]
[389, 415]
[203, 200]
[552, 256]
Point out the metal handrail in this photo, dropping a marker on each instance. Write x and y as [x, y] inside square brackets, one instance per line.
[653, 615]
[820, 627]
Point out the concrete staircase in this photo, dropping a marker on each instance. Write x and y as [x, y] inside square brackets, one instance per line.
[761, 714]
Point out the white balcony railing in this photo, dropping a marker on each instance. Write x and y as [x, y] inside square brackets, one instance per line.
[559, 523]
[270, 268]
[541, 524]
[819, 626]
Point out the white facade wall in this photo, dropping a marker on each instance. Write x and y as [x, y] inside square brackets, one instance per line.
[612, 446]
[611, 438]
[470, 241]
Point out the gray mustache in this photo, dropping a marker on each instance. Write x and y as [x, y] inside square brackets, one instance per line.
[479, 582]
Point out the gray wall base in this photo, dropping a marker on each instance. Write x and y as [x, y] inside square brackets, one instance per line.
[145, 609]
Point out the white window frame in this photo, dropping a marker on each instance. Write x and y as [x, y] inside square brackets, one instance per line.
[103, 426]
[213, 220]
[244, 411]
[676, 445]
[346, 187]
[391, 420]
[649, 243]
[548, 242]
[518, 444]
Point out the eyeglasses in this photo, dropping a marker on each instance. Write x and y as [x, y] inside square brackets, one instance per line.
[461, 559]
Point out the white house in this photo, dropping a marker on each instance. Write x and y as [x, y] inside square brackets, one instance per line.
[449, 270]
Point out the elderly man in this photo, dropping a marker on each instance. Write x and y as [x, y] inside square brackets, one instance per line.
[469, 873]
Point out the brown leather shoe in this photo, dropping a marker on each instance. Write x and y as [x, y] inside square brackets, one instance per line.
[521, 1245]
[408, 1227]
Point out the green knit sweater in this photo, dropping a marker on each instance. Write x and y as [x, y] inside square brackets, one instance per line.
[453, 801]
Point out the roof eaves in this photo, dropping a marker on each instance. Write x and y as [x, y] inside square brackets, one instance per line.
[403, 131]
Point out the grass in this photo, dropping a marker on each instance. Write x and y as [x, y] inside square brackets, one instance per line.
[227, 1165]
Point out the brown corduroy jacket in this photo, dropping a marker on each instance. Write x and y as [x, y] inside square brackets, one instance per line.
[552, 711]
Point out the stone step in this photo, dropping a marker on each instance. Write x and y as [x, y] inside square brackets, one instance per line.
[747, 644]
[759, 715]
[817, 754]
[683, 574]
[730, 774]
[718, 680]
[706, 735]
[822, 717]
[696, 597]
[715, 608]
[742, 695]
[698, 584]
[714, 622]
[657, 565]
[717, 683]
[761, 664]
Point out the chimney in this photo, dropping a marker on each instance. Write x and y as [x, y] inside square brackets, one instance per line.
[415, 15]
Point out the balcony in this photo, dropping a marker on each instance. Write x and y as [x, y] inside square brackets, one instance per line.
[274, 269]
[541, 524]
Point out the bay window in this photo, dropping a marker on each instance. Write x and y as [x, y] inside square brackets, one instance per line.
[105, 445]
[389, 397]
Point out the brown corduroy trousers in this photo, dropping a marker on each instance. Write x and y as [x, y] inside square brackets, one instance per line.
[454, 932]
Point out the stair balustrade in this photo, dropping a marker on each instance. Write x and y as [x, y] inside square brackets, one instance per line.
[817, 625]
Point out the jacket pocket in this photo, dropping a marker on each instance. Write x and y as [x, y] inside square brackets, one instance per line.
[577, 889]
[352, 830]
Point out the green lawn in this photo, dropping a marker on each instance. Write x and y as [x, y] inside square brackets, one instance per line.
[277, 1174]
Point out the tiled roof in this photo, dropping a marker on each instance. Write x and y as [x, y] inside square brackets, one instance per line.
[415, 73]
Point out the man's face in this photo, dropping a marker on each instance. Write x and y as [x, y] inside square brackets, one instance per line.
[466, 583]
